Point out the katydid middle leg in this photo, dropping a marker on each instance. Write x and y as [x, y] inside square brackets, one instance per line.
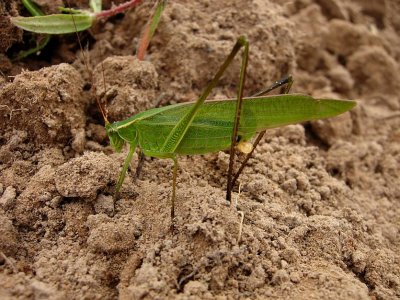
[287, 82]
[175, 174]
[139, 165]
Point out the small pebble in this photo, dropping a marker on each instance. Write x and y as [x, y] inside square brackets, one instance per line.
[359, 261]
[302, 182]
[284, 264]
[55, 202]
[104, 204]
[280, 276]
[46, 196]
[78, 143]
[325, 192]
[8, 196]
[295, 277]
[290, 185]
[315, 196]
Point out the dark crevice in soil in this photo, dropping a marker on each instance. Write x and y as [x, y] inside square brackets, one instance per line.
[313, 139]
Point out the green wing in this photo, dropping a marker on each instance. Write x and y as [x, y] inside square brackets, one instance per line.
[211, 129]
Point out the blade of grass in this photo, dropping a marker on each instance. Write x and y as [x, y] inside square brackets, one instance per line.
[150, 29]
[33, 9]
[95, 5]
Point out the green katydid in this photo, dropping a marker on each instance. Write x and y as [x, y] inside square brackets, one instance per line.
[210, 126]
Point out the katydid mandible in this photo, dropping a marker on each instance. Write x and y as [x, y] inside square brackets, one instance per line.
[209, 126]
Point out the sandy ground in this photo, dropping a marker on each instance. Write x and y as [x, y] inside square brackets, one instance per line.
[320, 200]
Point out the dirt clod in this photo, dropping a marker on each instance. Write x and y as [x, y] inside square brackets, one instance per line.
[8, 237]
[8, 197]
[85, 176]
[48, 104]
[129, 85]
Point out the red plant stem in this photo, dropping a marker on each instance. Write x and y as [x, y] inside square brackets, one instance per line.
[117, 9]
[144, 43]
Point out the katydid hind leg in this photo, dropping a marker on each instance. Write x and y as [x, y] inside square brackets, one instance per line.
[248, 156]
[286, 82]
[242, 78]
[177, 133]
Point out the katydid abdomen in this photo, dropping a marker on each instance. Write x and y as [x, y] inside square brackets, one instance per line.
[211, 129]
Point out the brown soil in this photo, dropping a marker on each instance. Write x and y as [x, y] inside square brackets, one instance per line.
[321, 201]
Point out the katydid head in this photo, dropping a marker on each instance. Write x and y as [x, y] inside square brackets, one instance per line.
[116, 141]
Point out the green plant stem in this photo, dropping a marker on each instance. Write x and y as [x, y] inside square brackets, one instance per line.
[39, 46]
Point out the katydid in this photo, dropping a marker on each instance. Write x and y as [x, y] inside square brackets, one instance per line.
[209, 126]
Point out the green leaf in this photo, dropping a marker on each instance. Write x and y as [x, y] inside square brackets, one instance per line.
[55, 24]
[95, 5]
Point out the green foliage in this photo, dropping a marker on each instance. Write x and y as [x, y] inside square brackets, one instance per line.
[41, 43]
[55, 24]
[75, 20]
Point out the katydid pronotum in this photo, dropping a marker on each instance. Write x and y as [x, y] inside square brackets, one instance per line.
[210, 126]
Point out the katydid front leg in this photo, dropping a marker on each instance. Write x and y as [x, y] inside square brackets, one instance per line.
[128, 160]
